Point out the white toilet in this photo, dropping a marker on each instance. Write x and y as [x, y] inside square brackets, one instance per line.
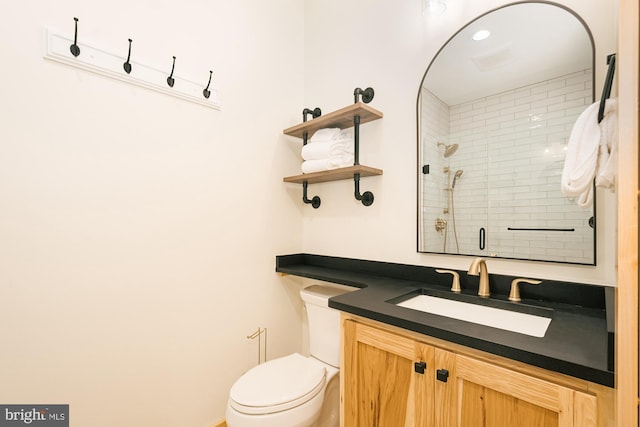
[295, 391]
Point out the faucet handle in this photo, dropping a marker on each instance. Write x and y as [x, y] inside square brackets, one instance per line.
[455, 285]
[514, 295]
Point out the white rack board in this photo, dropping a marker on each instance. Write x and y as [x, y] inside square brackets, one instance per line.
[111, 65]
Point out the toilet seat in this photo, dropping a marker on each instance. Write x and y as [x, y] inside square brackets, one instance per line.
[278, 385]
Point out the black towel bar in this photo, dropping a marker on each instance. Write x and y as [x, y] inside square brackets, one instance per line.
[606, 90]
[539, 229]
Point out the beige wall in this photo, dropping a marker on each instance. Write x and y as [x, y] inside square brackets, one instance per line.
[138, 231]
[388, 45]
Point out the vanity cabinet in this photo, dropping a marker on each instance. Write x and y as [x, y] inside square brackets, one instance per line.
[390, 378]
[381, 387]
[495, 396]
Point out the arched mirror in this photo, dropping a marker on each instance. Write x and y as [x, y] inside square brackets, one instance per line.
[495, 110]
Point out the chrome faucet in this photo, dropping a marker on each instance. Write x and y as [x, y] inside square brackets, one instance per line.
[479, 267]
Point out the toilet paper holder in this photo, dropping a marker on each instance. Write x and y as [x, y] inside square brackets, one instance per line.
[258, 334]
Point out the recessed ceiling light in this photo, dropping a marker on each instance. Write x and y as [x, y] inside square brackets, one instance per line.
[481, 35]
[434, 7]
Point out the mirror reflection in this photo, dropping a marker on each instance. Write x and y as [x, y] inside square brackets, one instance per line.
[495, 111]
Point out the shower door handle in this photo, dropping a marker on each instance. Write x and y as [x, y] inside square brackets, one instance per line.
[481, 238]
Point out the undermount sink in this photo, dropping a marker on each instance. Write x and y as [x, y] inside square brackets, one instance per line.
[515, 321]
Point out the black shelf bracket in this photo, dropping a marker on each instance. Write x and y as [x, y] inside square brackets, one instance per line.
[316, 112]
[367, 197]
[356, 140]
[315, 200]
[367, 95]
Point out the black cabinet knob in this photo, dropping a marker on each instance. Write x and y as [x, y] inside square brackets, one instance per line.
[419, 367]
[442, 375]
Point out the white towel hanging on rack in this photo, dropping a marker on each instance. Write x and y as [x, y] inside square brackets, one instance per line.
[590, 153]
[608, 150]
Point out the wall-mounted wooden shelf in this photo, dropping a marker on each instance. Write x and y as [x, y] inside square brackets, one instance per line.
[342, 118]
[334, 174]
[351, 116]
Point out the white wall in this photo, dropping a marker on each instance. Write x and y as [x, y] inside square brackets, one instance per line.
[138, 231]
[388, 45]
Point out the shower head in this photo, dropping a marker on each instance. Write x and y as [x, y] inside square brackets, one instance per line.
[448, 149]
[457, 175]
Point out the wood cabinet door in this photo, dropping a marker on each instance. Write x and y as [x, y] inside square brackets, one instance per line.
[445, 389]
[491, 396]
[381, 384]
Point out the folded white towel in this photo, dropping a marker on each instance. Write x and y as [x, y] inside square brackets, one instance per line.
[326, 134]
[318, 165]
[327, 149]
[608, 151]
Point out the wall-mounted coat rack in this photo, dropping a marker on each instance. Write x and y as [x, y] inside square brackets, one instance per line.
[74, 51]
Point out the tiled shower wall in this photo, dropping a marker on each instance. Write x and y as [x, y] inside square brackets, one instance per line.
[511, 152]
[435, 128]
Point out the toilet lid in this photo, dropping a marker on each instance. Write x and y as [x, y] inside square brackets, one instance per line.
[278, 385]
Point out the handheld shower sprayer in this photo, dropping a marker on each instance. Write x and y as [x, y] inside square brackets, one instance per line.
[450, 207]
[457, 175]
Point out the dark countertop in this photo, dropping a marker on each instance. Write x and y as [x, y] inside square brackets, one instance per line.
[577, 342]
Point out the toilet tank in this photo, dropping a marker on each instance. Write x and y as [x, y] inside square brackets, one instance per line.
[324, 323]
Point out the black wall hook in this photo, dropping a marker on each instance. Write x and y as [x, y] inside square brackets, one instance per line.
[170, 79]
[127, 65]
[206, 92]
[367, 95]
[316, 112]
[74, 48]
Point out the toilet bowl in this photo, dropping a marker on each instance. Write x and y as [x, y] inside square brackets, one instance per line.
[295, 390]
[285, 392]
